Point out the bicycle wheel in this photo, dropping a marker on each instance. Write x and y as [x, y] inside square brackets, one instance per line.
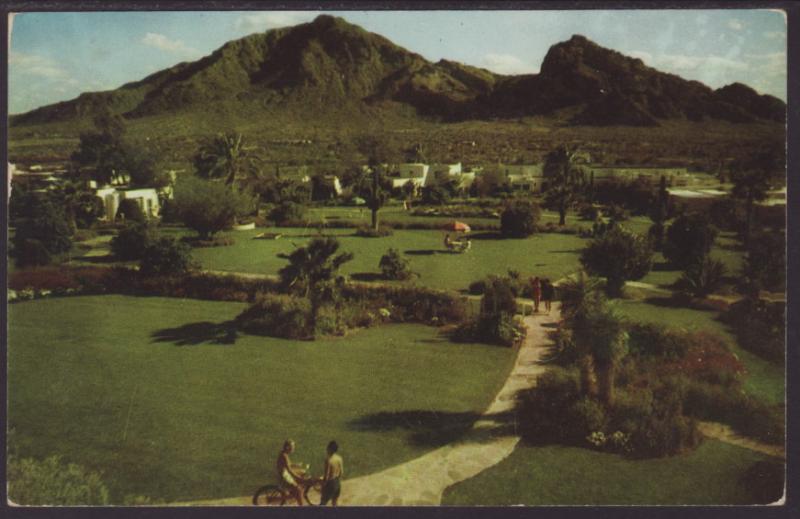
[313, 493]
[269, 495]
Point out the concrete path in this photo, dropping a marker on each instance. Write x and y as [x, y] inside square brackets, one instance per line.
[493, 437]
[726, 434]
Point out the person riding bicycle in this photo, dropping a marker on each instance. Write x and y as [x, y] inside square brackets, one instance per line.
[288, 475]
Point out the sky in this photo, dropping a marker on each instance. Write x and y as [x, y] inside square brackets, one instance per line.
[56, 56]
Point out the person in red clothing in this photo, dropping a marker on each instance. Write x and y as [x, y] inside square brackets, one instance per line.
[536, 286]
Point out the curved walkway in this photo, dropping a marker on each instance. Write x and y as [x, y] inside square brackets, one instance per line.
[492, 438]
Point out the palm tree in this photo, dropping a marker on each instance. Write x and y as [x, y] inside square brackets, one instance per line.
[580, 294]
[564, 180]
[310, 271]
[601, 334]
[222, 157]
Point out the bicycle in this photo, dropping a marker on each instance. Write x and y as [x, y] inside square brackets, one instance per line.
[277, 495]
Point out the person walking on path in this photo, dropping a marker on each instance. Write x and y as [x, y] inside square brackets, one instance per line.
[536, 285]
[548, 293]
[334, 469]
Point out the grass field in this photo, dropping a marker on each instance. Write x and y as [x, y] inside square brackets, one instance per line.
[164, 399]
[555, 475]
[547, 255]
[764, 379]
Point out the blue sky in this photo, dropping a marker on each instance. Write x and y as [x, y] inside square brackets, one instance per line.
[56, 56]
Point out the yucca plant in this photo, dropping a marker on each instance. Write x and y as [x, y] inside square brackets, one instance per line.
[703, 277]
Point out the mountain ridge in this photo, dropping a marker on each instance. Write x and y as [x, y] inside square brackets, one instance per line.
[329, 63]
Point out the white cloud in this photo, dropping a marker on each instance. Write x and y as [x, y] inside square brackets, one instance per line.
[159, 41]
[35, 65]
[735, 24]
[256, 22]
[681, 63]
[506, 64]
[775, 35]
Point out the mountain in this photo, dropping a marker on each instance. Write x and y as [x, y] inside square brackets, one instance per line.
[332, 65]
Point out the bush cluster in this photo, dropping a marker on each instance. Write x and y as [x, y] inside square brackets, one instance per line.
[394, 266]
[365, 231]
[53, 482]
[131, 241]
[497, 322]
[760, 327]
[277, 315]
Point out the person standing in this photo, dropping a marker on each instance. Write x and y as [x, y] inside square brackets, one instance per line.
[548, 293]
[334, 469]
[536, 286]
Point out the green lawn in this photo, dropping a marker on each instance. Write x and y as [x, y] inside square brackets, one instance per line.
[764, 379]
[548, 255]
[556, 475]
[139, 389]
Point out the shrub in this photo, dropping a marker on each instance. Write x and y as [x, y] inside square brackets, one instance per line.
[688, 240]
[52, 482]
[765, 481]
[394, 266]
[663, 430]
[726, 214]
[519, 218]
[617, 212]
[31, 253]
[132, 241]
[760, 327]
[364, 231]
[765, 262]
[747, 415]
[702, 278]
[130, 211]
[540, 410]
[47, 226]
[206, 206]
[618, 255]
[477, 288]
[656, 340]
[277, 315]
[166, 256]
[287, 211]
[588, 212]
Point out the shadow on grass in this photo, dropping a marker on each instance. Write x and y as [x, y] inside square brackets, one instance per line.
[487, 235]
[425, 252]
[367, 276]
[194, 334]
[99, 260]
[567, 251]
[431, 428]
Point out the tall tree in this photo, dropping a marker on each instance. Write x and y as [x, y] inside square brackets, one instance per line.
[658, 214]
[105, 154]
[378, 151]
[101, 153]
[564, 180]
[752, 177]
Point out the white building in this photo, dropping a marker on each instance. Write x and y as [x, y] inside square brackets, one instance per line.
[146, 198]
[525, 177]
[414, 173]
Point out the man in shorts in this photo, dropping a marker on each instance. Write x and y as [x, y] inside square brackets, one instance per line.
[334, 469]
